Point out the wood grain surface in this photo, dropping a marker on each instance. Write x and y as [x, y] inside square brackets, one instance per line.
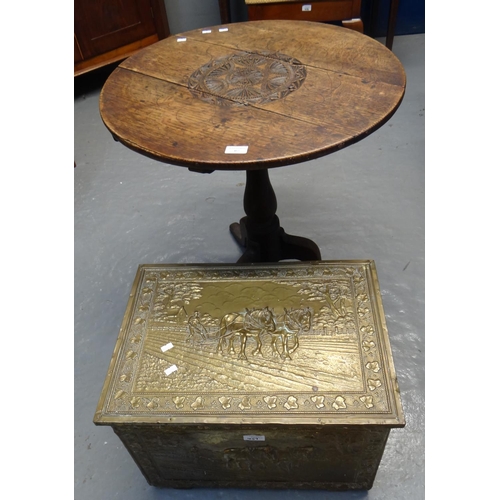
[353, 86]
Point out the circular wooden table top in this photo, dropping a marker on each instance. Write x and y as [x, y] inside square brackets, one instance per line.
[252, 95]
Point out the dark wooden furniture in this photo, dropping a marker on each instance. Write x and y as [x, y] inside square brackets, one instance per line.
[225, 11]
[391, 27]
[225, 14]
[347, 11]
[254, 96]
[110, 31]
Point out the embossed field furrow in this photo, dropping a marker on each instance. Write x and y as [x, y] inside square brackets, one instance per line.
[234, 371]
[353, 348]
[229, 370]
[231, 373]
[196, 361]
[324, 380]
[301, 372]
[329, 381]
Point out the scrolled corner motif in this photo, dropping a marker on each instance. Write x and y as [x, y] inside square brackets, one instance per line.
[291, 403]
[339, 403]
[356, 273]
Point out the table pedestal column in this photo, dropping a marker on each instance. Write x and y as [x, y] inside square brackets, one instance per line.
[260, 233]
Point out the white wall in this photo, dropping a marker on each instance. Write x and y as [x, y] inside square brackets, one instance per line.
[185, 15]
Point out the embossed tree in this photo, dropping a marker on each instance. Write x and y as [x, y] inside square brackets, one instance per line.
[171, 300]
[335, 297]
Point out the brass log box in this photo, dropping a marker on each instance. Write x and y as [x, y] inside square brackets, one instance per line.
[254, 376]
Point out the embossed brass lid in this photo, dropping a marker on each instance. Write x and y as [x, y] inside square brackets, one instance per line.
[288, 343]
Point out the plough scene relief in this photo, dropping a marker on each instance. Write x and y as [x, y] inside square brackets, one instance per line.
[232, 338]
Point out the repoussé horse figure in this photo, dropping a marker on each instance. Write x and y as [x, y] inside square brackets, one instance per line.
[290, 325]
[252, 323]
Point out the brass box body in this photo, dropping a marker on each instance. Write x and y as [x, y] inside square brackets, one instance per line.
[272, 376]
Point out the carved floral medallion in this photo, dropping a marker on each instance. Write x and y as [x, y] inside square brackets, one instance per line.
[247, 78]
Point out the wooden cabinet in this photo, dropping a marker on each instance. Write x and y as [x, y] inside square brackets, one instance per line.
[347, 11]
[109, 30]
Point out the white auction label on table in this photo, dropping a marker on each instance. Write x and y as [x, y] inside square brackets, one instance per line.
[306, 8]
[253, 437]
[236, 150]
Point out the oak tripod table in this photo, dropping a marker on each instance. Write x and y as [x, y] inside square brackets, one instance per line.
[253, 96]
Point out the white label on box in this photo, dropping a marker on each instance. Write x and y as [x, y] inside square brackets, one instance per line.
[170, 370]
[167, 347]
[306, 8]
[236, 150]
[223, 29]
[253, 437]
[181, 39]
[206, 31]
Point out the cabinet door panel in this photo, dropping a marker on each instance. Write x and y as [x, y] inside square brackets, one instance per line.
[104, 25]
[78, 54]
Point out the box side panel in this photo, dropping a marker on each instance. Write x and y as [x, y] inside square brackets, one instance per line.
[334, 458]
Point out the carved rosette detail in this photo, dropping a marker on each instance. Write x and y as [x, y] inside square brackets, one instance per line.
[247, 78]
